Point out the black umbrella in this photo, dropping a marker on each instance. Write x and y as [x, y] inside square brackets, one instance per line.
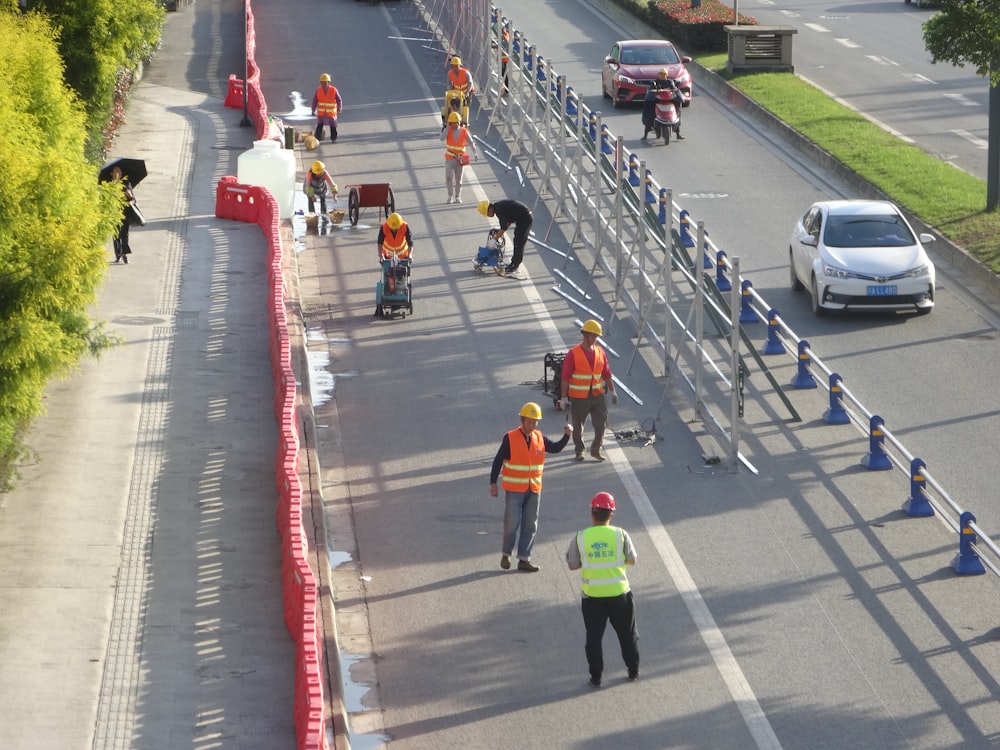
[134, 170]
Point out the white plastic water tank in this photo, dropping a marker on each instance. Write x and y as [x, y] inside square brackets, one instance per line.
[270, 166]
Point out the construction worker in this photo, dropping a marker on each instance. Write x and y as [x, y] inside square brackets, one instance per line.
[394, 239]
[519, 463]
[317, 184]
[510, 212]
[601, 553]
[327, 104]
[456, 138]
[461, 87]
[586, 376]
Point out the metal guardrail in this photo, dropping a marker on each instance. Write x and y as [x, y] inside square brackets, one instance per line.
[666, 277]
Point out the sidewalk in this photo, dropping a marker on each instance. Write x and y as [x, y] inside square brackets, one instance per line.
[139, 561]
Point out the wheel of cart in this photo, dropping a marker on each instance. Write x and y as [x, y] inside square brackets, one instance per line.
[376, 194]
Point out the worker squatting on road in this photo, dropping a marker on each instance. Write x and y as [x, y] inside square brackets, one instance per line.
[317, 185]
[586, 375]
[601, 554]
[519, 463]
[509, 212]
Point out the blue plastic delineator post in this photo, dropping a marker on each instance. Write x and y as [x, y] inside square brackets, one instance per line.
[515, 45]
[707, 263]
[836, 413]
[592, 123]
[803, 375]
[633, 170]
[650, 195]
[572, 105]
[747, 315]
[558, 88]
[876, 459]
[663, 206]
[722, 282]
[685, 228]
[541, 70]
[967, 562]
[606, 147]
[917, 505]
[773, 345]
[527, 56]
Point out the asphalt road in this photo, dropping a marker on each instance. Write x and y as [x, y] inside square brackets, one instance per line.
[794, 609]
[872, 56]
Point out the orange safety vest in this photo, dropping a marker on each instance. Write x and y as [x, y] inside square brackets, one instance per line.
[455, 146]
[460, 80]
[394, 243]
[504, 57]
[326, 102]
[587, 380]
[523, 470]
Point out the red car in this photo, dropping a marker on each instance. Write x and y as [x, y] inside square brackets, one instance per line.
[632, 66]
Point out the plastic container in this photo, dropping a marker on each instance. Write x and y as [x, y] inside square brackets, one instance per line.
[270, 166]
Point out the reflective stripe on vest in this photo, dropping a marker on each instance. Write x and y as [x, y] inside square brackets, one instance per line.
[587, 380]
[326, 102]
[455, 147]
[460, 81]
[602, 552]
[394, 243]
[523, 470]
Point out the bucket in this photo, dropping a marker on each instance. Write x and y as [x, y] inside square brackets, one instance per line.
[270, 166]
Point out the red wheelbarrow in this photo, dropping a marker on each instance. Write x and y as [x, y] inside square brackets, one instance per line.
[369, 196]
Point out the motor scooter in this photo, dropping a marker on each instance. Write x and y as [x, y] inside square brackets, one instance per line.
[666, 115]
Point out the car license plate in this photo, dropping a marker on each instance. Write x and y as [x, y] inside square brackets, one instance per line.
[881, 291]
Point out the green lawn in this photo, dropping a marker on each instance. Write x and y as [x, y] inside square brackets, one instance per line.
[943, 196]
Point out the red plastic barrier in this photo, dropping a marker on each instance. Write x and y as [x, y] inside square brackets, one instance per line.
[234, 95]
[236, 201]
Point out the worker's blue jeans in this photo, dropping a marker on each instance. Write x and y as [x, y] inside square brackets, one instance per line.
[521, 512]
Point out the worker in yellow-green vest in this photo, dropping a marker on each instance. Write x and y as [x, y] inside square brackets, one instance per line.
[601, 554]
[519, 462]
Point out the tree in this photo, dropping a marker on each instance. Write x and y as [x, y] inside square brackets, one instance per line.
[54, 221]
[968, 32]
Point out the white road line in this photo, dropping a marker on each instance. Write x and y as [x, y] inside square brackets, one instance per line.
[817, 27]
[881, 60]
[962, 99]
[974, 140]
[847, 43]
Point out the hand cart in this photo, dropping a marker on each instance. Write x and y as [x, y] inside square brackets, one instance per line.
[369, 196]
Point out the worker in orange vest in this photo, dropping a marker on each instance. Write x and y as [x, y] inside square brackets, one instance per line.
[394, 239]
[586, 376]
[519, 463]
[327, 105]
[460, 90]
[457, 139]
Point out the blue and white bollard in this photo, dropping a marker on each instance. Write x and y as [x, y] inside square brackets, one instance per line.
[685, 228]
[876, 459]
[707, 263]
[917, 505]
[592, 123]
[836, 413]
[773, 345]
[967, 562]
[606, 147]
[747, 315]
[572, 104]
[633, 170]
[722, 282]
[664, 205]
[803, 375]
[650, 195]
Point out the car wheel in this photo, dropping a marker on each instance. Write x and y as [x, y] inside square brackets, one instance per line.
[795, 284]
[818, 310]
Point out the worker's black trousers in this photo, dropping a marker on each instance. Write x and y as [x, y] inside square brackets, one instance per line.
[620, 611]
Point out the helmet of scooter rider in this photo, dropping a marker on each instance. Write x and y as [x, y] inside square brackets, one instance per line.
[318, 167]
[663, 73]
[456, 60]
[395, 221]
[325, 78]
[454, 117]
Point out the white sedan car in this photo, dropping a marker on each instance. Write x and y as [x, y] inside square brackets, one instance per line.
[861, 255]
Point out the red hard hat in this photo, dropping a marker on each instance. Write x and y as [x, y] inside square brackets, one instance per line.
[603, 500]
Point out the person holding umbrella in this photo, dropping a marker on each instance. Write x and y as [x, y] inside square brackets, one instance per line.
[127, 172]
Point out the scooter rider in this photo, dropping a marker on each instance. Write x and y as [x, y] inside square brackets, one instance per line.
[663, 82]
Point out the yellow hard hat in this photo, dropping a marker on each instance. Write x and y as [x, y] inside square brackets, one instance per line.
[592, 326]
[456, 60]
[395, 221]
[454, 117]
[484, 208]
[318, 167]
[325, 78]
[531, 410]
